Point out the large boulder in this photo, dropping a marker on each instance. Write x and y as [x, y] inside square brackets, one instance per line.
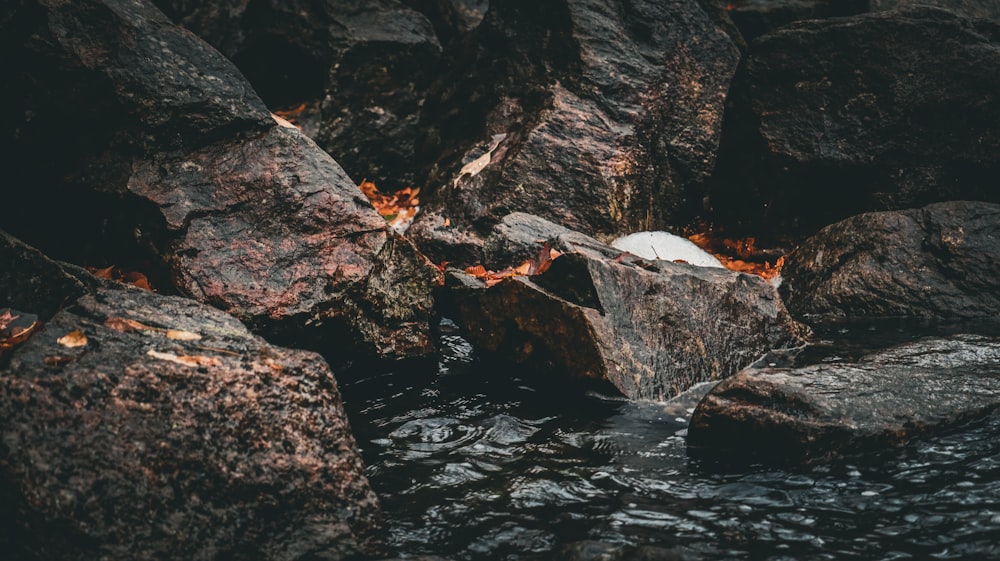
[140, 426]
[938, 262]
[145, 146]
[813, 413]
[873, 112]
[370, 63]
[601, 116]
[650, 328]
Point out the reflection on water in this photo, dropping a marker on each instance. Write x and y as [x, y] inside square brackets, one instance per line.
[475, 463]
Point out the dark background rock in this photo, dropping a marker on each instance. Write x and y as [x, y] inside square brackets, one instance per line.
[989, 9]
[31, 282]
[813, 413]
[652, 329]
[876, 112]
[114, 451]
[757, 17]
[610, 111]
[369, 62]
[938, 262]
[149, 150]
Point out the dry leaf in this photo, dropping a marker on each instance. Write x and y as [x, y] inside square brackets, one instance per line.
[479, 164]
[179, 335]
[16, 327]
[185, 360]
[125, 325]
[73, 339]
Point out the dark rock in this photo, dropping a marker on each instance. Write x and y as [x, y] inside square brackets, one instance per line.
[272, 231]
[883, 111]
[519, 236]
[370, 62]
[989, 9]
[938, 262]
[170, 432]
[603, 117]
[31, 281]
[146, 147]
[757, 17]
[451, 18]
[815, 412]
[651, 328]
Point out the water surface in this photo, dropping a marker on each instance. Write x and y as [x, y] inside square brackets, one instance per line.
[477, 461]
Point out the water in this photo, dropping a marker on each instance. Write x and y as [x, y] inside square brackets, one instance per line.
[478, 462]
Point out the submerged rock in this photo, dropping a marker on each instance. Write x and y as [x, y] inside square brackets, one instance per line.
[139, 426]
[650, 328]
[815, 412]
[881, 111]
[602, 117]
[938, 262]
[147, 147]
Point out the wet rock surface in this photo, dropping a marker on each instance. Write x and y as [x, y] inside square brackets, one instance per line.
[170, 162]
[757, 17]
[938, 262]
[874, 112]
[30, 280]
[816, 412]
[148, 427]
[370, 63]
[602, 117]
[651, 328]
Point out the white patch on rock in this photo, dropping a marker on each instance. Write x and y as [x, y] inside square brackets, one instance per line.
[666, 247]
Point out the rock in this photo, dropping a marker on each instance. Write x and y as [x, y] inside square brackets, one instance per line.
[370, 62]
[519, 236]
[874, 112]
[164, 429]
[757, 17]
[989, 9]
[29, 280]
[651, 328]
[452, 18]
[602, 118]
[176, 166]
[272, 231]
[938, 262]
[816, 412]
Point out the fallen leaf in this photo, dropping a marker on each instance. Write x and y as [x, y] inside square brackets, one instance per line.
[479, 164]
[73, 339]
[16, 327]
[185, 360]
[125, 325]
[179, 335]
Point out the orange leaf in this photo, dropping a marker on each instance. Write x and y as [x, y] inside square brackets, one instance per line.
[125, 325]
[73, 339]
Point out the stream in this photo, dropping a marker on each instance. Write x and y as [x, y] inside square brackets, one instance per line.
[479, 461]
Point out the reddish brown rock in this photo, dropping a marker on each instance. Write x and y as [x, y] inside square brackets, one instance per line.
[138, 426]
[146, 147]
[604, 118]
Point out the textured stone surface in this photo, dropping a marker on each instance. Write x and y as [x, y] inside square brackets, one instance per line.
[172, 432]
[369, 62]
[651, 328]
[874, 112]
[757, 17]
[848, 408]
[601, 116]
[149, 149]
[938, 262]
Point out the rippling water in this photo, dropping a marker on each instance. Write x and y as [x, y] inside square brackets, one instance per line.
[473, 462]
